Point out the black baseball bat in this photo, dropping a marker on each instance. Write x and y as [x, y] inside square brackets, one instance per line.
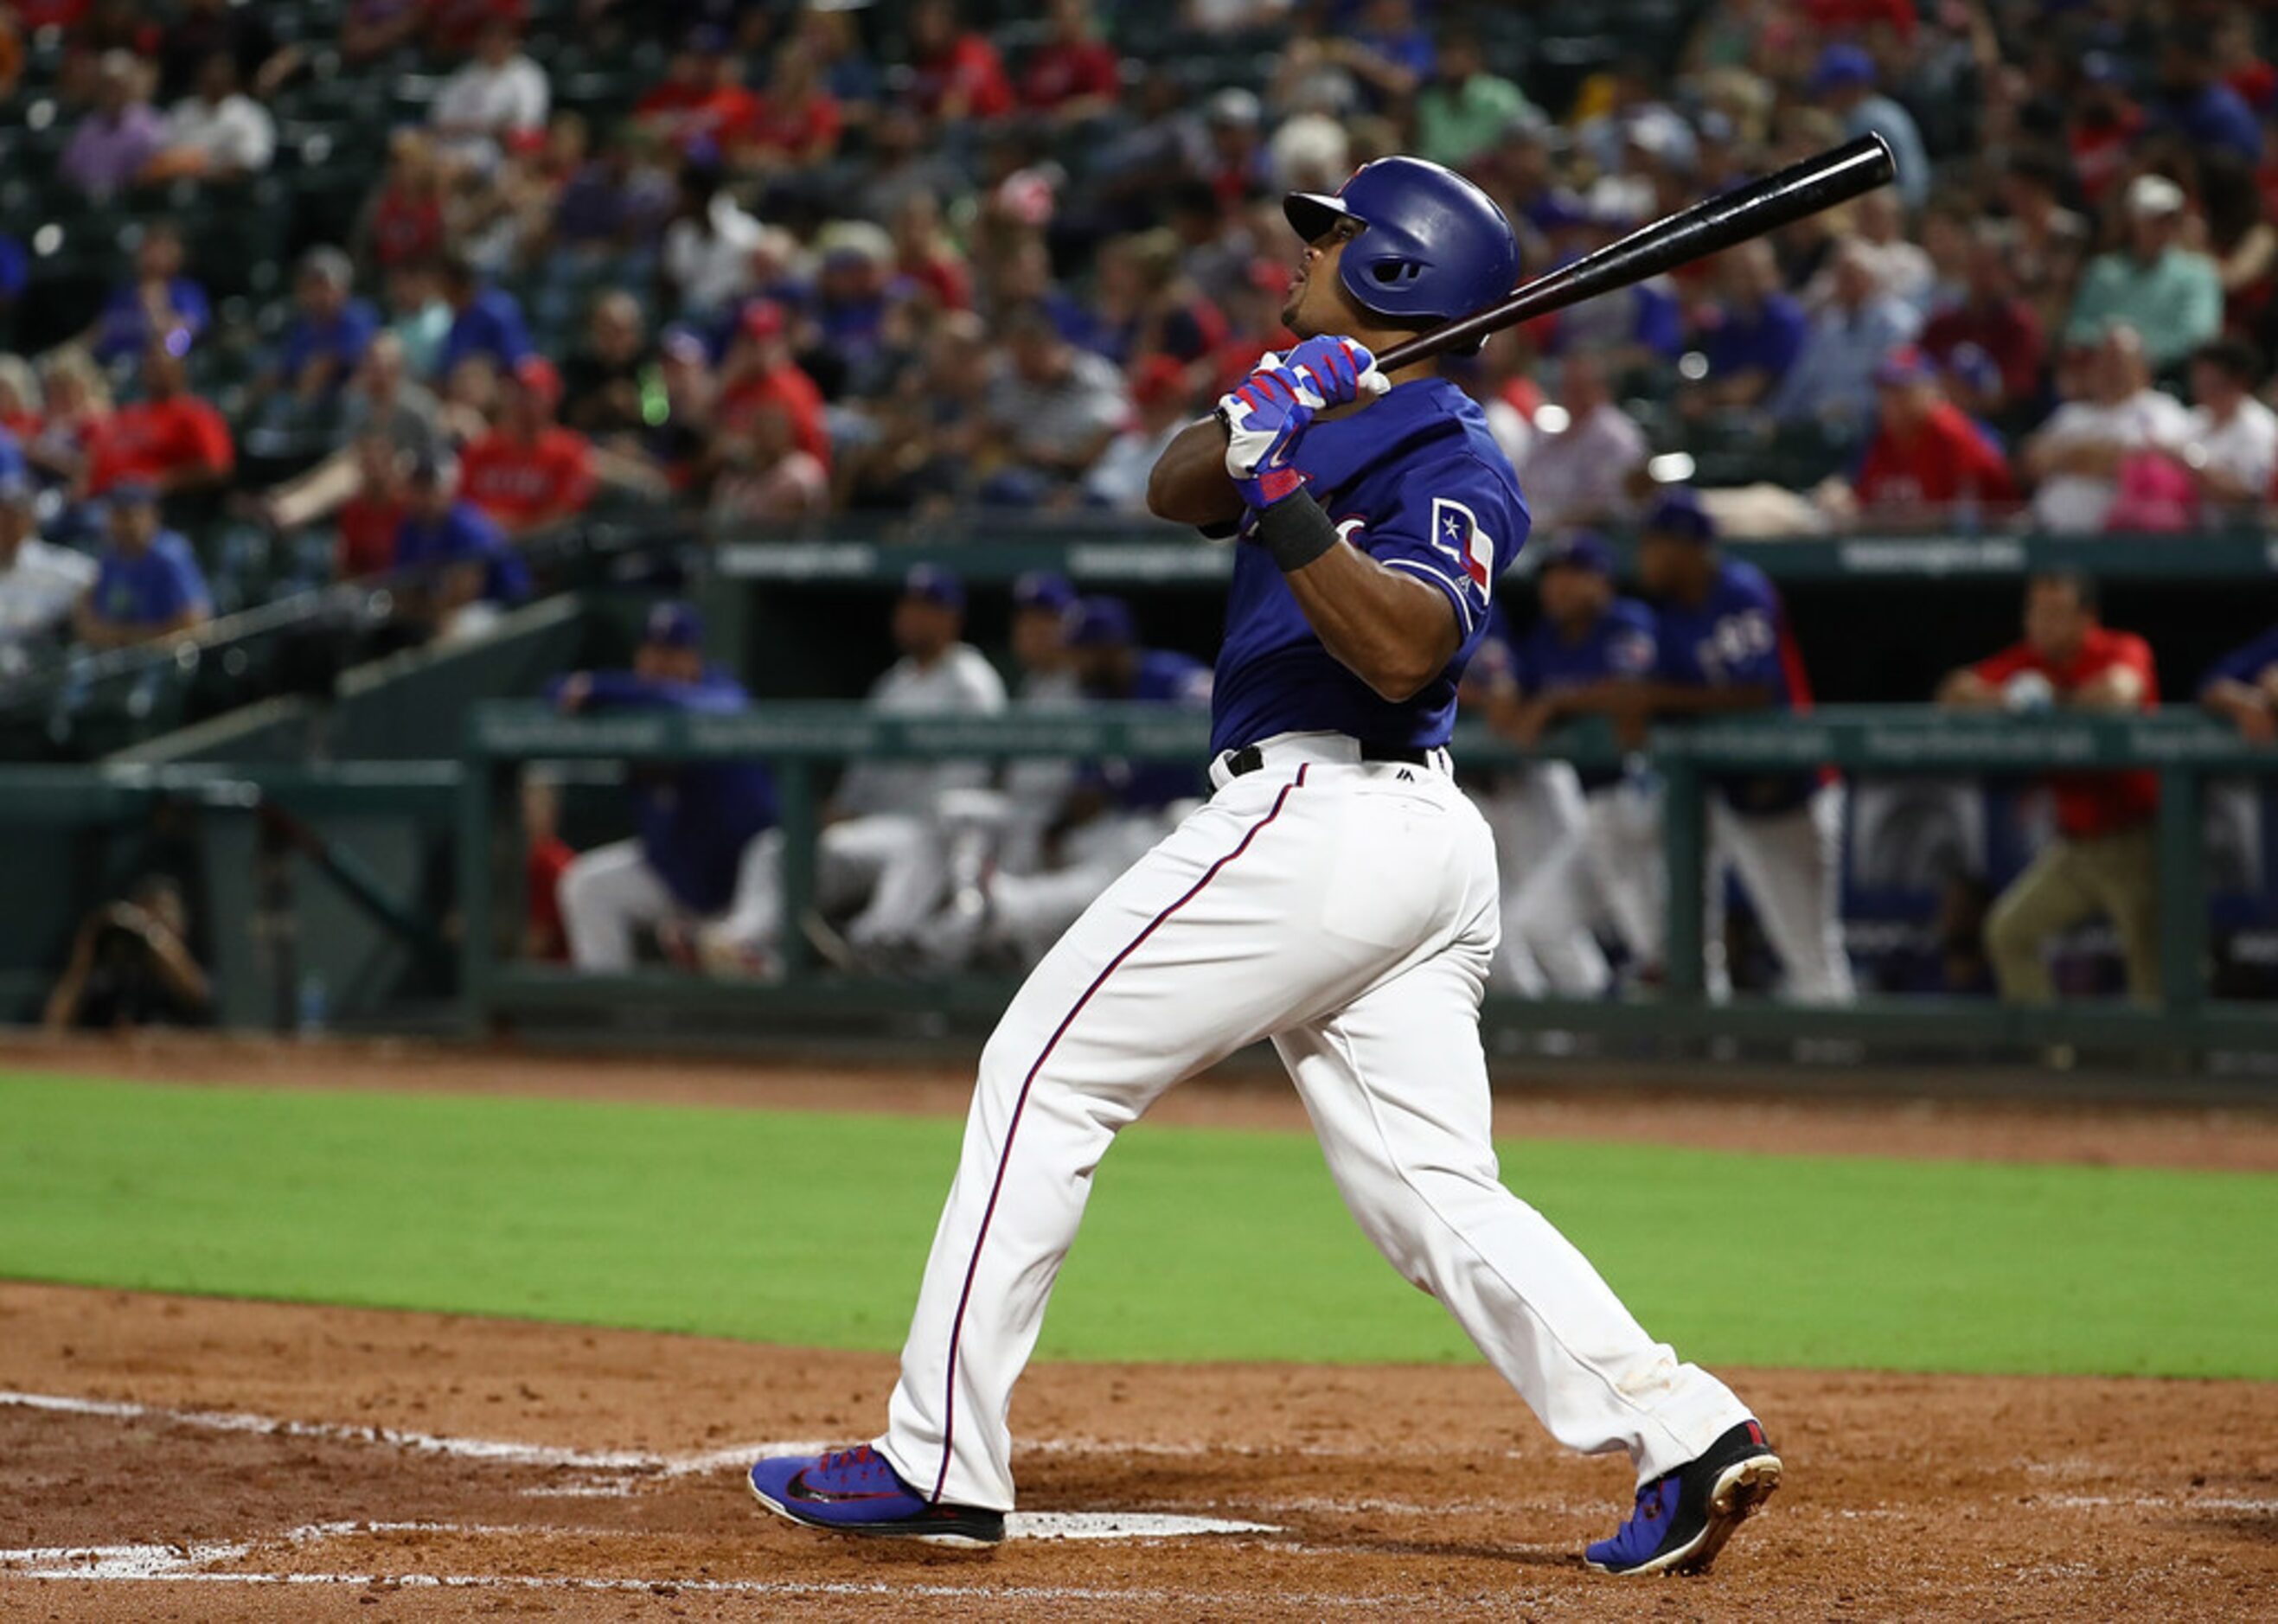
[1715, 224]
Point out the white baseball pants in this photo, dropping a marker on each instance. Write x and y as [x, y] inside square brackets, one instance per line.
[1791, 863]
[611, 892]
[893, 864]
[1348, 912]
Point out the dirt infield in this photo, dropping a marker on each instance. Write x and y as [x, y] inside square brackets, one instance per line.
[193, 1460]
[167, 1457]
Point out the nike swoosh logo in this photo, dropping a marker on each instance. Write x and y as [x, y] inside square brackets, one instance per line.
[802, 1490]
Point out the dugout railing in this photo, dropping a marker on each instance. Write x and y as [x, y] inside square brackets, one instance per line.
[804, 742]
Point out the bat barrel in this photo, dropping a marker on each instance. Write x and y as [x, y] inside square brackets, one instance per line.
[1715, 224]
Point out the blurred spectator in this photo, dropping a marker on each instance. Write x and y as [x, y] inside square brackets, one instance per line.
[2078, 460]
[11, 54]
[404, 220]
[959, 75]
[1052, 409]
[371, 29]
[39, 583]
[21, 406]
[547, 856]
[607, 382]
[2169, 294]
[1145, 305]
[485, 321]
[678, 442]
[2103, 124]
[854, 259]
[1928, 462]
[217, 132]
[1757, 331]
[703, 872]
[1464, 109]
[1833, 382]
[1724, 648]
[455, 570]
[2241, 687]
[147, 585]
[498, 97]
[131, 966]
[1843, 81]
[759, 373]
[158, 301]
[797, 121]
[1630, 330]
[454, 27]
[330, 329]
[2102, 860]
[171, 440]
[1586, 453]
[2193, 100]
[529, 473]
[370, 520]
[926, 255]
[382, 397]
[700, 97]
[119, 135]
[615, 203]
[903, 162]
[1901, 265]
[204, 29]
[75, 410]
[708, 246]
[2051, 241]
[1994, 316]
[764, 475]
[419, 318]
[1159, 401]
[878, 858]
[1075, 74]
[2231, 439]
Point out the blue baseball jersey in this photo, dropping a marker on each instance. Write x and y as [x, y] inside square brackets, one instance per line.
[1738, 637]
[1414, 480]
[1625, 641]
[1165, 677]
[152, 587]
[464, 535]
[2245, 664]
[695, 818]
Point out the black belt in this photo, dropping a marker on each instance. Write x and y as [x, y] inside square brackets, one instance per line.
[1250, 758]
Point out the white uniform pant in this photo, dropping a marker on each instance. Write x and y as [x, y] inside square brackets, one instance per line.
[1572, 859]
[894, 866]
[1791, 863]
[1348, 912]
[611, 892]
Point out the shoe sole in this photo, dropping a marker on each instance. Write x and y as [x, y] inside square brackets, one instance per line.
[919, 1536]
[1740, 1489]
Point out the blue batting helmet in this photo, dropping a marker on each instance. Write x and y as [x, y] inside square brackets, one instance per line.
[1436, 246]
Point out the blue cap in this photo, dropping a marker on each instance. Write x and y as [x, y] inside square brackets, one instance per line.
[132, 493]
[931, 583]
[1974, 367]
[1906, 364]
[1841, 64]
[674, 625]
[1679, 513]
[1579, 550]
[1041, 589]
[1103, 623]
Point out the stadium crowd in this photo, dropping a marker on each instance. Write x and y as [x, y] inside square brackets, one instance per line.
[762, 261]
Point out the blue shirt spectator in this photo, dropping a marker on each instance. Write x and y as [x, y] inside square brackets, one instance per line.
[484, 321]
[126, 324]
[330, 329]
[1832, 381]
[146, 583]
[1843, 82]
[431, 543]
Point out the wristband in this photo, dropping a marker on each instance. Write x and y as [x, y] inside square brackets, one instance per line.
[1294, 531]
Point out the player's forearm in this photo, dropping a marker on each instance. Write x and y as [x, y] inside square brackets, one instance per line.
[2234, 701]
[1966, 690]
[1190, 484]
[1390, 630]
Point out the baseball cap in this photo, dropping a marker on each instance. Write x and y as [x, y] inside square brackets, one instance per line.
[683, 342]
[931, 583]
[132, 493]
[1906, 364]
[673, 624]
[1841, 64]
[1579, 550]
[1160, 378]
[2151, 196]
[1679, 513]
[539, 376]
[1103, 623]
[1974, 367]
[1041, 589]
[762, 318]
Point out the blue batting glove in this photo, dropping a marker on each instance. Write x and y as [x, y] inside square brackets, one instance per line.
[1335, 370]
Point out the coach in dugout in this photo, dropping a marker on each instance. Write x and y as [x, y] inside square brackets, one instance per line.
[2241, 687]
[704, 873]
[2102, 860]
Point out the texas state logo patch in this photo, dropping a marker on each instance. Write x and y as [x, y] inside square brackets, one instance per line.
[1456, 531]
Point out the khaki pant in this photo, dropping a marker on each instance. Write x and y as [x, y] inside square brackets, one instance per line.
[2116, 875]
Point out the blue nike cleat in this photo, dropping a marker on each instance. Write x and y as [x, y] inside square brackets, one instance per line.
[1683, 1518]
[855, 1491]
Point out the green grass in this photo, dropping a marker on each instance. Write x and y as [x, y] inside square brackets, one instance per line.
[1200, 1244]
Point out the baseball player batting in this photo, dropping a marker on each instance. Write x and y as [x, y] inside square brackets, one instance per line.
[1336, 895]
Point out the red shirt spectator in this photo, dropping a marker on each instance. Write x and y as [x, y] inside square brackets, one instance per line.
[1856, 16]
[1073, 65]
[367, 524]
[959, 75]
[529, 471]
[170, 439]
[759, 372]
[453, 26]
[1925, 451]
[700, 99]
[803, 126]
[2089, 804]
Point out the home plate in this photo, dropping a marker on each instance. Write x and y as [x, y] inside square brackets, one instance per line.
[1122, 1525]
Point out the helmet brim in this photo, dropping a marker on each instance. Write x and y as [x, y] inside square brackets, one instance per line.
[1313, 215]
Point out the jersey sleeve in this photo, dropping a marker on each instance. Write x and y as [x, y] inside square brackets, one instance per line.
[2245, 665]
[1633, 644]
[1456, 526]
[1748, 635]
